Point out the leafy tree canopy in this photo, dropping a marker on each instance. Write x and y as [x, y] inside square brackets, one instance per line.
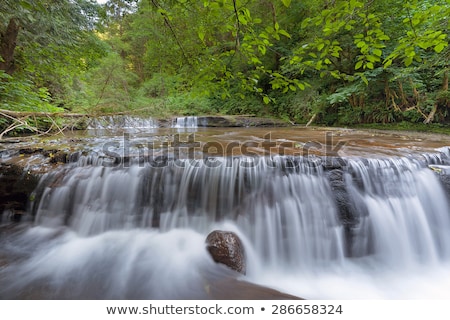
[335, 61]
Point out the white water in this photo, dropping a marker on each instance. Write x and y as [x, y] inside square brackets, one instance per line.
[132, 124]
[139, 232]
[185, 124]
[128, 123]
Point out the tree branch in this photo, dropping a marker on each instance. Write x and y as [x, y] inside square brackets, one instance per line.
[169, 25]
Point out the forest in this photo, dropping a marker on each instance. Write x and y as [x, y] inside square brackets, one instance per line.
[321, 62]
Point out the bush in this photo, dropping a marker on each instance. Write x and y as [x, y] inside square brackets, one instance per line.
[19, 94]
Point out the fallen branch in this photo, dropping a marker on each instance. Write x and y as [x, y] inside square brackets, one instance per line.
[311, 120]
[430, 117]
[20, 119]
[39, 114]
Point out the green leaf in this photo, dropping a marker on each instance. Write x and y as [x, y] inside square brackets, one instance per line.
[26, 5]
[408, 61]
[242, 20]
[255, 60]
[372, 58]
[361, 44]
[440, 47]
[364, 79]
[335, 74]
[246, 12]
[377, 52]
[266, 99]
[201, 34]
[284, 33]
[387, 63]
[286, 3]
[359, 64]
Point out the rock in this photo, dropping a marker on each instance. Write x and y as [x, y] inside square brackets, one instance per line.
[233, 289]
[225, 247]
[347, 213]
[351, 210]
[58, 156]
[16, 186]
[443, 173]
[239, 121]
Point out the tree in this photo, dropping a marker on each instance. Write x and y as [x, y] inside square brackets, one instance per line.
[360, 43]
[44, 44]
[52, 24]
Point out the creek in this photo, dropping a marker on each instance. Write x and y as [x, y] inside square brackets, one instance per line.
[323, 213]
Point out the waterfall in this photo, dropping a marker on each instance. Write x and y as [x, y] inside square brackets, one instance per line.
[186, 122]
[279, 211]
[118, 122]
[407, 203]
[319, 229]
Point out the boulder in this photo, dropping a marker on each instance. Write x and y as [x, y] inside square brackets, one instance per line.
[225, 247]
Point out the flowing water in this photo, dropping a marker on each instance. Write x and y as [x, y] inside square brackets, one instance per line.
[330, 224]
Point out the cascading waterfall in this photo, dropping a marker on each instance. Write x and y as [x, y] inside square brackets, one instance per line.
[276, 209]
[407, 210]
[122, 122]
[358, 228]
[186, 122]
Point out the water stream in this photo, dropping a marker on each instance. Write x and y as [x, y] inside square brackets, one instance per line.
[319, 227]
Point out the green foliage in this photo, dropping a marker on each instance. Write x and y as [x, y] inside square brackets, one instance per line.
[343, 62]
[111, 86]
[426, 25]
[236, 104]
[55, 44]
[187, 105]
[23, 95]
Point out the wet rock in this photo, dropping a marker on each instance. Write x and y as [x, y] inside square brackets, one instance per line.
[225, 247]
[445, 181]
[16, 185]
[29, 151]
[233, 289]
[350, 211]
[59, 157]
[443, 173]
[333, 163]
[342, 198]
[239, 121]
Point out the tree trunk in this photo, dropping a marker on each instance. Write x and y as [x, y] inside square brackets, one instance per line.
[445, 81]
[8, 42]
[439, 101]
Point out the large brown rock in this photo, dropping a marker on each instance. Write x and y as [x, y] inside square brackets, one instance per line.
[226, 247]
